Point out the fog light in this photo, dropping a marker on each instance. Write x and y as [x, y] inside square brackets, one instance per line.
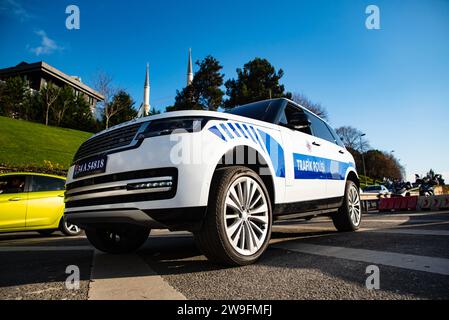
[150, 185]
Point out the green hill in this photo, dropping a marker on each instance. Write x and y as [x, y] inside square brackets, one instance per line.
[25, 144]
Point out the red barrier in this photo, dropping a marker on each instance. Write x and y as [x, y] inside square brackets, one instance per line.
[404, 204]
[397, 203]
[412, 203]
[383, 204]
[390, 204]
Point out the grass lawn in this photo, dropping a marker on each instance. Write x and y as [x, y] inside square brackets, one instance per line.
[24, 143]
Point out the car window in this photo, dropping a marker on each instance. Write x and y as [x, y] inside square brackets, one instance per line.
[12, 184]
[320, 129]
[336, 137]
[42, 183]
[287, 116]
[257, 110]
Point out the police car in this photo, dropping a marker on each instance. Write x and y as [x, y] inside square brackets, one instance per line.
[225, 177]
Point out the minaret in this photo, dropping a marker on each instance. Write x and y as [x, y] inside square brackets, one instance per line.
[146, 93]
[189, 69]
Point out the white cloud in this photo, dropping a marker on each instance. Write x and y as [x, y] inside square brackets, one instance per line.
[15, 7]
[47, 46]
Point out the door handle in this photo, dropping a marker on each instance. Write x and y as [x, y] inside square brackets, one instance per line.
[316, 144]
[15, 199]
[61, 195]
[341, 151]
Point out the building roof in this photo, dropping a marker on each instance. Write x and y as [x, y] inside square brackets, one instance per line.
[24, 67]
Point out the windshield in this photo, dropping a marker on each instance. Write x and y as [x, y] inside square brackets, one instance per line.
[258, 110]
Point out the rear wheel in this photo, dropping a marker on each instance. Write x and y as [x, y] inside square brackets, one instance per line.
[349, 215]
[237, 227]
[117, 240]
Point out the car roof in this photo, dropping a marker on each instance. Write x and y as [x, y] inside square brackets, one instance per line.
[31, 174]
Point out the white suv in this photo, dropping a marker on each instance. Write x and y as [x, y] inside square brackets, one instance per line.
[223, 176]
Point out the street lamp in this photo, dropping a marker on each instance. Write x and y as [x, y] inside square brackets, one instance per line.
[363, 158]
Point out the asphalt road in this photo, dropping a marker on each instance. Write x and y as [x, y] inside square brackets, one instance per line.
[306, 260]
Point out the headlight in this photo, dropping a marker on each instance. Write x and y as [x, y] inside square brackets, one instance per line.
[167, 126]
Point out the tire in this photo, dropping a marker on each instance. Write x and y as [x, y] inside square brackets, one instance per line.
[349, 216]
[69, 229]
[237, 227]
[117, 240]
[46, 232]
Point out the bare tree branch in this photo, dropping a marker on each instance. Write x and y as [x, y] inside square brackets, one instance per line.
[305, 102]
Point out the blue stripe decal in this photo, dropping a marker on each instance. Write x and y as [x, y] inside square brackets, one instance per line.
[217, 132]
[241, 130]
[310, 167]
[249, 133]
[275, 152]
[226, 130]
[255, 134]
[234, 129]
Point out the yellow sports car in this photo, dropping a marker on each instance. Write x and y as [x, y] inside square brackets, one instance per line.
[33, 202]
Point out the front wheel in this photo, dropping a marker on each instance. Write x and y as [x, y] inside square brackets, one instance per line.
[237, 227]
[69, 229]
[349, 215]
[117, 240]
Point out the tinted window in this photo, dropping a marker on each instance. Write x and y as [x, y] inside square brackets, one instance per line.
[41, 183]
[12, 184]
[320, 129]
[257, 110]
[336, 137]
[288, 115]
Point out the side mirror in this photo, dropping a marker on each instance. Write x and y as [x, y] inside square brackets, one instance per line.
[299, 120]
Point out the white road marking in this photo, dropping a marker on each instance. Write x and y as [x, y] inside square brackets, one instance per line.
[399, 260]
[411, 231]
[44, 248]
[127, 277]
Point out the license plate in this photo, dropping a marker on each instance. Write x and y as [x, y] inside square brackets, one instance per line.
[90, 166]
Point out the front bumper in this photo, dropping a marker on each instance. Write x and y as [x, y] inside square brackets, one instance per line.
[174, 219]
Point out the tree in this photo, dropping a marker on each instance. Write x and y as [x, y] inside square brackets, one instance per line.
[316, 108]
[120, 109]
[351, 137]
[49, 95]
[13, 97]
[103, 84]
[66, 99]
[381, 165]
[258, 80]
[204, 92]
[207, 82]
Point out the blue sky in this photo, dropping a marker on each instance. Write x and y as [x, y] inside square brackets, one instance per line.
[392, 83]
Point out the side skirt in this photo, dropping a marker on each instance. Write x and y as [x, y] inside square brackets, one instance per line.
[292, 210]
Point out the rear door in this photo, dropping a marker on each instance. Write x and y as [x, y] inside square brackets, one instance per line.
[13, 202]
[45, 201]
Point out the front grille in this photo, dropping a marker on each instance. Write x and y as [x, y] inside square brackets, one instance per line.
[117, 138]
[123, 195]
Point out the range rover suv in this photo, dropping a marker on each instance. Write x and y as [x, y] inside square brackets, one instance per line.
[225, 177]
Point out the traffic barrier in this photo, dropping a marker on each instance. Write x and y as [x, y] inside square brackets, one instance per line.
[397, 203]
[383, 204]
[435, 203]
[404, 204]
[424, 203]
[444, 204]
[390, 204]
[412, 203]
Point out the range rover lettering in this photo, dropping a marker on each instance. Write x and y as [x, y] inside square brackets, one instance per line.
[225, 177]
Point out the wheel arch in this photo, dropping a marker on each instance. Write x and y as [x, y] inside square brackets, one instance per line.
[260, 166]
